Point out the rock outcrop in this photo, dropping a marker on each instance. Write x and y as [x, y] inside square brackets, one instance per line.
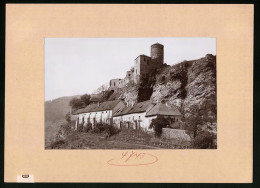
[189, 85]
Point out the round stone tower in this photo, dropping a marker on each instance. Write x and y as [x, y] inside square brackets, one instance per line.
[157, 53]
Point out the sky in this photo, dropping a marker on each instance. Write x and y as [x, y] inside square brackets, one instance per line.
[76, 66]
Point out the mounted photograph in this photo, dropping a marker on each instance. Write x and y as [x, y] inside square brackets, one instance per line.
[130, 93]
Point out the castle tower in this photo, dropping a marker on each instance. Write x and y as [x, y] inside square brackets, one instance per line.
[157, 54]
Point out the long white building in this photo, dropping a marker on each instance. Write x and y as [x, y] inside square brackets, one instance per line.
[138, 116]
[97, 113]
[141, 115]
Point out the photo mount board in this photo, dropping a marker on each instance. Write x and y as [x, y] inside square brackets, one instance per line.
[28, 24]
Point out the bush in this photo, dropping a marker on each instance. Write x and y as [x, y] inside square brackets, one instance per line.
[157, 125]
[57, 144]
[107, 129]
[88, 128]
[204, 140]
[63, 131]
[80, 127]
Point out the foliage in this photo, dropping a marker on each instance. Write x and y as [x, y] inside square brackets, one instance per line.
[76, 103]
[107, 94]
[101, 91]
[57, 144]
[195, 120]
[157, 124]
[145, 87]
[204, 140]
[107, 129]
[65, 127]
[80, 127]
[68, 117]
[88, 127]
[175, 126]
[85, 99]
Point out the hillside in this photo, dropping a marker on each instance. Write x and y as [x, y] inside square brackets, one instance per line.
[56, 109]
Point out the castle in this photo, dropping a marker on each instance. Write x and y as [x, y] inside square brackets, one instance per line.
[119, 114]
[143, 65]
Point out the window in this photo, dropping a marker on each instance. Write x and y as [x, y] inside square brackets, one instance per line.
[114, 84]
[147, 62]
[136, 71]
[144, 59]
[128, 74]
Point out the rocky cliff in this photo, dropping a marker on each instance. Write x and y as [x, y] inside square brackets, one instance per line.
[189, 85]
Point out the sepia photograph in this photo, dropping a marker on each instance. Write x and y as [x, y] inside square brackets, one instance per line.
[130, 93]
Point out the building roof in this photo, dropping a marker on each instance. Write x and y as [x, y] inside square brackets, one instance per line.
[142, 55]
[122, 111]
[157, 44]
[137, 108]
[108, 105]
[162, 109]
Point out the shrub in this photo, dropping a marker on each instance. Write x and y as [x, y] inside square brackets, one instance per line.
[145, 87]
[80, 127]
[107, 129]
[88, 127]
[96, 130]
[68, 117]
[76, 103]
[63, 131]
[175, 126]
[157, 124]
[57, 144]
[204, 140]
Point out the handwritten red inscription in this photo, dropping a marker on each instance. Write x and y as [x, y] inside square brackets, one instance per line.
[133, 159]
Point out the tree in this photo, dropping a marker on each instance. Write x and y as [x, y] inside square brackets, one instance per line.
[102, 91]
[85, 99]
[145, 86]
[76, 103]
[68, 117]
[204, 140]
[157, 125]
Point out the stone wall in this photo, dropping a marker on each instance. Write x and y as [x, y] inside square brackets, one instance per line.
[175, 134]
[157, 54]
